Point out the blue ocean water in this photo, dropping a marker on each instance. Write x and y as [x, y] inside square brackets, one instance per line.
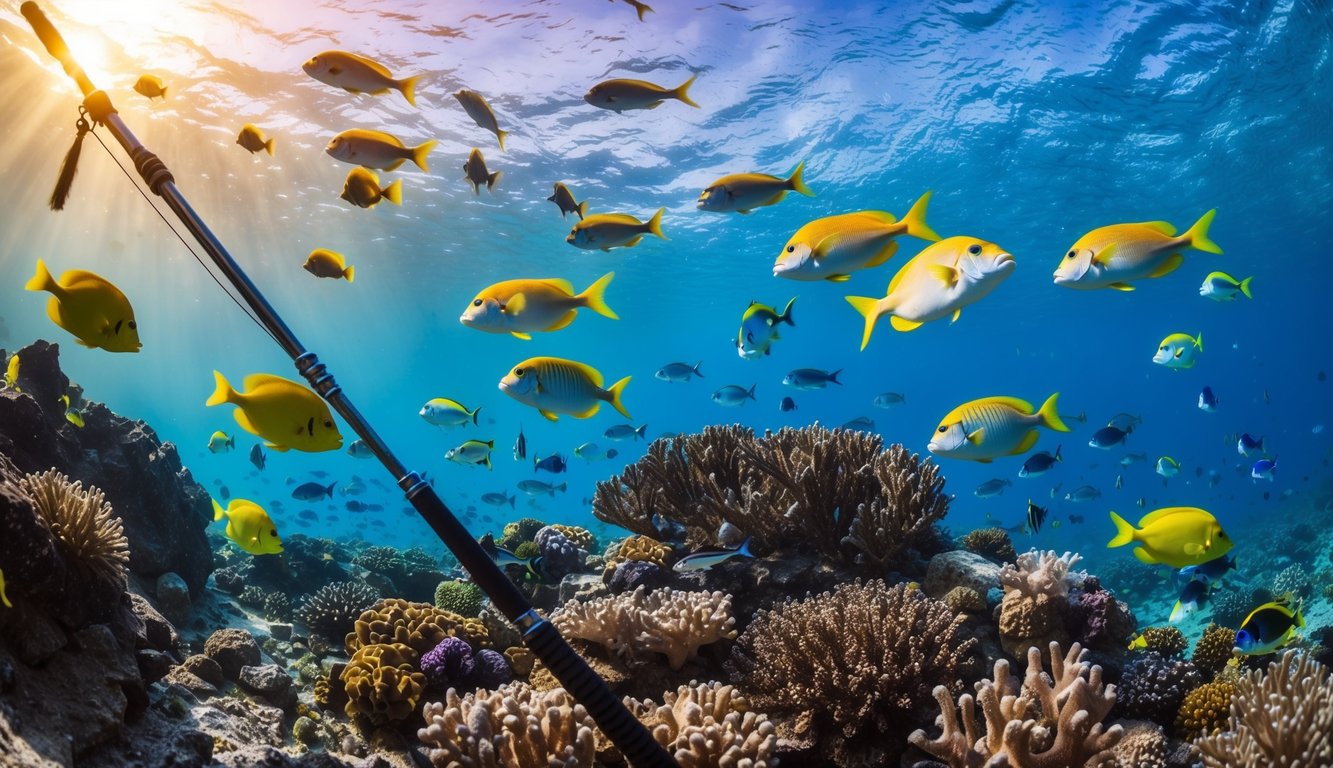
[1031, 122]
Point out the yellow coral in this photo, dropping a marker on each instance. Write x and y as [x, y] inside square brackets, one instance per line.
[1167, 641]
[420, 626]
[1214, 649]
[642, 548]
[521, 659]
[582, 537]
[1205, 710]
[382, 683]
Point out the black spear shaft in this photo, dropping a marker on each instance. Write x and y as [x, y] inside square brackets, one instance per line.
[627, 733]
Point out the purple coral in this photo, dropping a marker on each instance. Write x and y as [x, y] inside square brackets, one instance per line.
[560, 556]
[1153, 687]
[492, 669]
[449, 663]
[1097, 620]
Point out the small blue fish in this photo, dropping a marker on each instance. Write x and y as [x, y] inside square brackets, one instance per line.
[1247, 445]
[733, 395]
[1107, 438]
[555, 464]
[1210, 572]
[359, 450]
[498, 499]
[1207, 400]
[1040, 463]
[1083, 494]
[1268, 628]
[811, 378]
[1263, 469]
[537, 487]
[1168, 467]
[257, 457]
[787, 405]
[859, 424]
[678, 371]
[313, 491]
[991, 488]
[704, 559]
[1130, 459]
[889, 399]
[625, 432]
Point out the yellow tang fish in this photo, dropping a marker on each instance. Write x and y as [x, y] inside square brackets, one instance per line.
[281, 411]
[1178, 350]
[1174, 536]
[1110, 257]
[253, 139]
[553, 385]
[90, 307]
[937, 283]
[476, 107]
[620, 95]
[358, 74]
[362, 189]
[610, 230]
[521, 307]
[249, 527]
[833, 247]
[377, 149]
[12, 373]
[474, 170]
[743, 192]
[325, 263]
[993, 426]
[151, 86]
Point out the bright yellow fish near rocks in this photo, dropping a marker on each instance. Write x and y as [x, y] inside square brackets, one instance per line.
[990, 427]
[1114, 256]
[249, 527]
[362, 189]
[937, 283]
[833, 247]
[554, 385]
[286, 414]
[743, 192]
[12, 373]
[377, 149]
[1174, 536]
[522, 307]
[90, 307]
[358, 74]
[604, 231]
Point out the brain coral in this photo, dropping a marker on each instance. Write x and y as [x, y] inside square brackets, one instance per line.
[420, 626]
[382, 683]
[461, 597]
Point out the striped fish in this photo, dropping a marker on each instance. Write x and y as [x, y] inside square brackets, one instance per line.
[554, 385]
[993, 426]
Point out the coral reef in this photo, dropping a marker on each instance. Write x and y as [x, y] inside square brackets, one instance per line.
[493, 669]
[332, 609]
[965, 600]
[449, 663]
[520, 660]
[639, 549]
[382, 683]
[1036, 589]
[1280, 717]
[1167, 641]
[709, 725]
[1230, 607]
[1039, 724]
[993, 544]
[860, 662]
[1153, 686]
[1205, 710]
[1214, 649]
[518, 532]
[461, 597]
[1098, 621]
[512, 726]
[1144, 745]
[670, 622]
[420, 626]
[581, 537]
[560, 555]
[83, 524]
[837, 493]
[1293, 579]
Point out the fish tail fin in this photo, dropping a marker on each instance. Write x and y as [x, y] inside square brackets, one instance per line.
[785, 317]
[222, 391]
[43, 281]
[218, 511]
[1124, 532]
[487, 462]
[833, 377]
[408, 88]
[1049, 416]
[493, 179]
[915, 220]
[268, 147]
[682, 92]
[616, 390]
[1058, 457]
[419, 154]
[643, 8]
[349, 273]
[744, 549]
[164, 94]
[1177, 613]
[500, 135]
[655, 224]
[1198, 341]
[594, 297]
[474, 413]
[582, 209]
[1245, 287]
[750, 394]
[869, 309]
[797, 180]
[641, 432]
[394, 192]
[696, 370]
[231, 441]
[1197, 235]
[329, 491]
[511, 500]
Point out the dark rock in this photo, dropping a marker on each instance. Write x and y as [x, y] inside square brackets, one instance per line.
[268, 681]
[34, 637]
[200, 688]
[630, 575]
[232, 649]
[173, 595]
[280, 631]
[157, 633]
[205, 668]
[153, 665]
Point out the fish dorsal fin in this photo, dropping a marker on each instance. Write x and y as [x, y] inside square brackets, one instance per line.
[1022, 406]
[957, 313]
[1160, 226]
[592, 373]
[256, 380]
[1156, 515]
[1171, 264]
[523, 336]
[561, 283]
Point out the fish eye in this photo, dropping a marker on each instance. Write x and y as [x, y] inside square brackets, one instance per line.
[942, 429]
[518, 372]
[791, 249]
[273, 532]
[328, 424]
[476, 302]
[134, 326]
[749, 337]
[974, 249]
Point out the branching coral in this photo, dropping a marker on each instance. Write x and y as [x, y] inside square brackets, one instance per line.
[512, 726]
[333, 609]
[709, 725]
[1035, 602]
[860, 660]
[1038, 724]
[1293, 579]
[667, 621]
[1282, 717]
[421, 626]
[836, 492]
[382, 683]
[84, 525]
[991, 543]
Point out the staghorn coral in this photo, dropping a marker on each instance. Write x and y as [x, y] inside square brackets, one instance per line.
[252, 596]
[1281, 717]
[85, 527]
[331, 610]
[512, 727]
[991, 543]
[1205, 710]
[1168, 641]
[860, 661]
[1214, 649]
[1038, 724]
[461, 597]
[519, 531]
[667, 621]
[277, 607]
[838, 493]
[1153, 686]
[1035, 602]
[382, 683]
[709, 725]
[421, 626]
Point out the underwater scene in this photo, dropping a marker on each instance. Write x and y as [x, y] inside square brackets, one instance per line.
[808, 384]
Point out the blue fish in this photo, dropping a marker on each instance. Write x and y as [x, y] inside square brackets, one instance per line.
[1210, 572]
[257, 456]
[1263, 469]
[1247, 445]
[1207, 400]
[1108, 437]
[555, 464]
[313, 491]
[1194, 595]
[787, 405]
[1040, 463]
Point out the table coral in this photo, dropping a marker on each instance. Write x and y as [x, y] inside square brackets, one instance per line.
[512, 726]
[667, 621]
[1283, 716]
[1040, 723]
[709, 725]
[382, 683]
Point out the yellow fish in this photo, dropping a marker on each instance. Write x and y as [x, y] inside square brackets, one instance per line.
[362, 189]
[3, 596]
[563, 198]
[1174, 536]
[1110, 257]
[90, 307]
[937, 283]
[476, 107]
[325, 263]
[151, 86]
[358, 74]
[620, 95]
[743, 192]
[611, 230]
[553, 385]
[220, 442]
[12, 373]
[377, 149]
[281, 411]
[1178, 350]
[252, 139]
[249, 527]
[520, 307]
[990, 427]
[75, 418]
[474, 170]
[833, 247]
